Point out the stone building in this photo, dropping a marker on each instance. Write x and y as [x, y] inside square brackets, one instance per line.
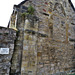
[7, 40]
[45, 42]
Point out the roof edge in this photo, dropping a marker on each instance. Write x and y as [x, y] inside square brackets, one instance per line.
[21, 3]
[71, 5]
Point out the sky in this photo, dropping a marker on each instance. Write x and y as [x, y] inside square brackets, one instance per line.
[6, 8]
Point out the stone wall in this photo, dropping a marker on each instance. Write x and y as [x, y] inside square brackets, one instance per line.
[17, 56]
[54, 52]
[7, 40]
[45, 42]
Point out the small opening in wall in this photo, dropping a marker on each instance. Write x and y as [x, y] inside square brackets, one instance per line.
[44, 14]
[72, 40]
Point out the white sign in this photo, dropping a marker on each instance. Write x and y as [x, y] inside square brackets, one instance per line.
[4, 50]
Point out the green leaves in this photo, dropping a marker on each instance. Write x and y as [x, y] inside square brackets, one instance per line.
[31, 10]
[24, 14]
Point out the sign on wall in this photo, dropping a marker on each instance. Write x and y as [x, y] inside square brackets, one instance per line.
[4, 50]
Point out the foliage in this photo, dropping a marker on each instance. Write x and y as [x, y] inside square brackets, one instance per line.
[29, 11]
[23, 14]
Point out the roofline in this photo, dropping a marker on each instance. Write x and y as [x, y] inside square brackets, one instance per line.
[28, 0]
[21, 3]
[71, 5]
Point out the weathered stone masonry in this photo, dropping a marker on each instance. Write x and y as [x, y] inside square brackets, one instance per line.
[45, 41]
[7, 39]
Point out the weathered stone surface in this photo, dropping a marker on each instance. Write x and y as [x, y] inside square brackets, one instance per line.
[7, 41]
[45, 43]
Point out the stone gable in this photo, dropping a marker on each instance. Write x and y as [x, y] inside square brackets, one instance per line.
[45, 41]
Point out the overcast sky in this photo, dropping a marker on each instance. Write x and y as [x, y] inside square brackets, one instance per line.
[6, 8]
